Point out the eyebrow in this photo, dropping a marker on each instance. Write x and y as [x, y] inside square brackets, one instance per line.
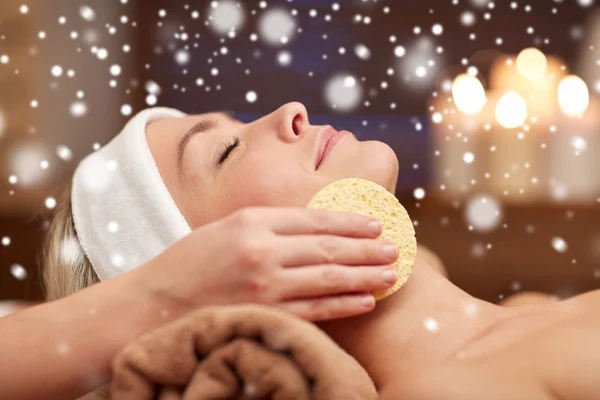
[204, 125]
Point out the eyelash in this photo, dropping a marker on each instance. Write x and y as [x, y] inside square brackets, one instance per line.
[228, 150]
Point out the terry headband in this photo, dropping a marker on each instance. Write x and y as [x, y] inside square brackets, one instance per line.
[124, 214]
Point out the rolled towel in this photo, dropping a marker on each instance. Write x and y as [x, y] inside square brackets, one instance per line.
[245, 351]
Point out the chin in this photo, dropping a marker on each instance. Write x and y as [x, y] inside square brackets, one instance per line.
[377, 162]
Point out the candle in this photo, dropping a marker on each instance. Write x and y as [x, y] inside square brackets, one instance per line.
[525, 107]
[574, 173]
[458, 143]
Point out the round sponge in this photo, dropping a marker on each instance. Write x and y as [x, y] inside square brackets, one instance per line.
[364, 197]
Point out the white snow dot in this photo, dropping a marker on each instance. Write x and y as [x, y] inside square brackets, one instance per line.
[78, 109]
[182, 57]
[126, 109]
[284, 58]
[151, 100]
[199, 81]
[70, 251]
[431, 324]
[276, 26]
[50, 202]
[251, 96]
[559, 244]
[5, 241]
[483, 213]
[362, 51]
[117, 260]
[399, 51]
[24, 9]
[18, 271]
[4, 59]
[579, 143]
[64, 153]
[56, 71]
[470, 308]
[420, 72]
[437, 29]
[467, 18]
[115, 70]
[42, 35]
[63, 349]
[437, 118]
[152, 87]
[225, 16]
[113, 227]
[102, 54]
[13, 179]
[468, 157]
[419, 193]
[343, 92]
[87, 13]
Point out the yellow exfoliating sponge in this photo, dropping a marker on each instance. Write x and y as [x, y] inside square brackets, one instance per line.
[364, 197]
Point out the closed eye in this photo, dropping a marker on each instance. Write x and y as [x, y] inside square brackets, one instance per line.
[228, 150]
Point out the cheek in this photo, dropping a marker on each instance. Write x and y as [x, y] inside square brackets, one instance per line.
[272, 182]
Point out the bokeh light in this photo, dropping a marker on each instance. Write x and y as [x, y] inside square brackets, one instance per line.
[276, 26]
[573, 95]
[468, 94]
[343, 92]
[225, 16]
[483, 213]
[511, 111]
[531, 63]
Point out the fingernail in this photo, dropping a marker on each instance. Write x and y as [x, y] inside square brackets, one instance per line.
[374, 226]
[367, 301]
[389, 275]
[390, 250]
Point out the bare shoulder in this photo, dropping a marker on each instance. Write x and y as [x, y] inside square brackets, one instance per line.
[584, 302]
[560, 362]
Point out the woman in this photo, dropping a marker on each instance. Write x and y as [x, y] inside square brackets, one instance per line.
[275, 161]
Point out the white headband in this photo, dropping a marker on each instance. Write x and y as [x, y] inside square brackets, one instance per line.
[124, 214]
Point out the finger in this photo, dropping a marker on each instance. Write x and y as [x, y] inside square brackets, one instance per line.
[302, 221]
[325, 280]
[327, 308]
[307, 250]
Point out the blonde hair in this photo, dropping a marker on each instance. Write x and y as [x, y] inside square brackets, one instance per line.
[65, 267]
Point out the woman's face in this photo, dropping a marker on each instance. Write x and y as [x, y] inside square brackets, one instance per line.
[273, 163]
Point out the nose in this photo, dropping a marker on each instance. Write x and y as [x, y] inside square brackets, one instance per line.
[291, 120]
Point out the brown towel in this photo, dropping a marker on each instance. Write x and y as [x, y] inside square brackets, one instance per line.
[245, 351]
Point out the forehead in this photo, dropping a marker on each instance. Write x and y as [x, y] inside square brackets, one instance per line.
[178, 126]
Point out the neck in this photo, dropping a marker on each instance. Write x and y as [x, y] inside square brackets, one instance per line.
[427, 320]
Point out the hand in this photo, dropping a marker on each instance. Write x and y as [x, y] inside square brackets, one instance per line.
[316, 264]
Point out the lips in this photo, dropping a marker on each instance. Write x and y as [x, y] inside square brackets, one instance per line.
[327, 140]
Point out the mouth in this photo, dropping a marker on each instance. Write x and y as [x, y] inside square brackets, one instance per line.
[326, 141]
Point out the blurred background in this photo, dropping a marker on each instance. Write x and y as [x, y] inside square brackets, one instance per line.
[493, 108]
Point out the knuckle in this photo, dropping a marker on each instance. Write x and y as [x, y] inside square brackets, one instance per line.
[333, 278]
[257, 287]
[330, 248]
[320, 221]
[254, 252]
[319, 310]
[245, 217]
